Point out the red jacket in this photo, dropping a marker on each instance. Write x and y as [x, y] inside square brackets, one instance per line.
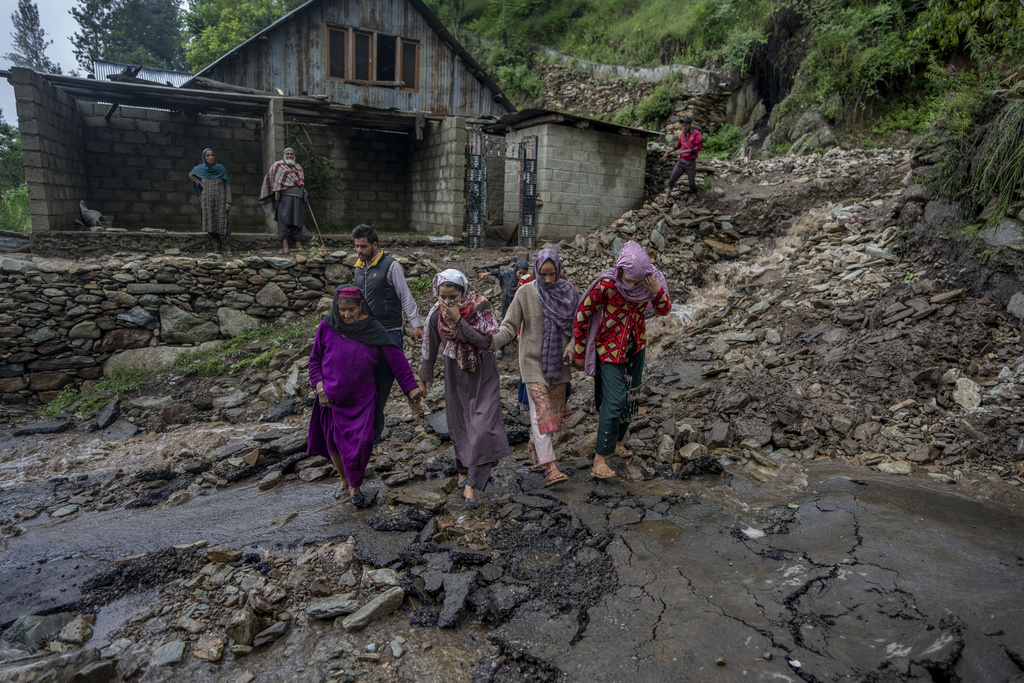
[690, 144]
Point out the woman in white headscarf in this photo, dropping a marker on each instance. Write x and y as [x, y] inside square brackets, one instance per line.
[459, 327]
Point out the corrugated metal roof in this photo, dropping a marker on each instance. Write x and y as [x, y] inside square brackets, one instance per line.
[102, 68]
[528, 118]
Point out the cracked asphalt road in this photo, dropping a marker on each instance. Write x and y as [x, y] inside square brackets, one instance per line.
[868, 578]
[835, 574]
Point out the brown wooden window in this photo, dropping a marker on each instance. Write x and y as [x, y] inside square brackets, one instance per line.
[362, 60]
[372, 58]
[387, 58]
[410, 64]
[336, 44]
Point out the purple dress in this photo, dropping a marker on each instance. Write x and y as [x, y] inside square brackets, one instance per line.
[345, 428]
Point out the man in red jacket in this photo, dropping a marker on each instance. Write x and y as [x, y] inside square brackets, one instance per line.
[688, 147]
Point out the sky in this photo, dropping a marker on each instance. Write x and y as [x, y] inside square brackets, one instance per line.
[56, 20]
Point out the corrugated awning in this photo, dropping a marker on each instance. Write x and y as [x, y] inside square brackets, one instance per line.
[537, 117]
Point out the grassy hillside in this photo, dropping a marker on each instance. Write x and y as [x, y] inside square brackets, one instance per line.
[843, 55]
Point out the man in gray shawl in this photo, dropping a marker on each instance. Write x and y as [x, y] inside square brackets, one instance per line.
[283, 196]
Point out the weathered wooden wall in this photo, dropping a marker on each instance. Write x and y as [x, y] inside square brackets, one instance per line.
[292, 57]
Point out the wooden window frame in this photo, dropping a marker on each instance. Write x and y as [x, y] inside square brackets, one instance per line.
[331, 28]
[402, 42]
[350, 58]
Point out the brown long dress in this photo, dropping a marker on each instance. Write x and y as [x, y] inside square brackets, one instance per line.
[472, 402]
[216, 193]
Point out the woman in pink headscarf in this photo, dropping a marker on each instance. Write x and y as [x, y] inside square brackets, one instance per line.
[610, 334]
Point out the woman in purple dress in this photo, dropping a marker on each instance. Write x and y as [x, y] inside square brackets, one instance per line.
[349, 351]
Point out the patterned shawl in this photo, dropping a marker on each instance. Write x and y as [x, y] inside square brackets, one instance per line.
[634, 263]
[275, 179]
[479, 317]
[558, 299]
[207, 171]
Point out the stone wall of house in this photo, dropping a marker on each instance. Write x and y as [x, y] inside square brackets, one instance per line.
[61, 321]
[54, 151]
[585, 179]
[438, 184]
[370, 180]
[138, 163]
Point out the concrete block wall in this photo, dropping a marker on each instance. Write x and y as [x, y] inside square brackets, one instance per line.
[54, 153]
[371, 177]
[138, 163]
[439, 178]
[585, 179]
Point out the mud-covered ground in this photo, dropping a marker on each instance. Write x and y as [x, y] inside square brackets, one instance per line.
[825, 485]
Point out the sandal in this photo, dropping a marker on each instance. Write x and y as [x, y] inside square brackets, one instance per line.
[339, 492]
[602, 472]
[470, 503]
[555, 476]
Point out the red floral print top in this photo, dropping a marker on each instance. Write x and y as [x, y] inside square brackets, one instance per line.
[621, 321]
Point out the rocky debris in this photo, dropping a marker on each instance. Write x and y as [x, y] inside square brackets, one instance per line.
[270, 481]
[209, 649]
[376, 609]
[32, 631]
[334, 606]
[223, 553]
[168, 654]
[45, 427]
[77, 665]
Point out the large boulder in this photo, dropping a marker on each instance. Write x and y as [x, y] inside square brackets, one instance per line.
[234, 322]
[180, 327]
[116, 340]
[1007, 231]
[155, 358]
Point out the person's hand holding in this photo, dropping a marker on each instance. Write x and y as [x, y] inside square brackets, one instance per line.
[422, 386]
[652, 285]
[417, 333]
[568, 357]
[483, 275]
[321, 396]
[452, 312]
[227, 206]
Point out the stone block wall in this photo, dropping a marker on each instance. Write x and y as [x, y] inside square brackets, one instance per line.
[137, 165]
[61, 320]
[54, 151]
[438, 185]
[371, 177]
[585, 179]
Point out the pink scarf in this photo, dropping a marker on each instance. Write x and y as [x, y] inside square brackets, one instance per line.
[479, 318]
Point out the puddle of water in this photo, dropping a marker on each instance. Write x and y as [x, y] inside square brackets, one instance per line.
[721, 279]
[665, 531]
[116, 614]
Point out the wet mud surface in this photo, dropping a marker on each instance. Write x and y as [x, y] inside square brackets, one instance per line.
[833, 574]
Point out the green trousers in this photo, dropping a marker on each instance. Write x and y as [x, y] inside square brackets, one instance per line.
[617, 394]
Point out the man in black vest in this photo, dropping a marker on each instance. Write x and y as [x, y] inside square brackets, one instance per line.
[382, 281]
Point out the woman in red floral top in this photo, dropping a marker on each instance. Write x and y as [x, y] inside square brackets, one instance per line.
[612, 351]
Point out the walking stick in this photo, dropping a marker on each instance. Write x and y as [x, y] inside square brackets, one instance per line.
[323, 245]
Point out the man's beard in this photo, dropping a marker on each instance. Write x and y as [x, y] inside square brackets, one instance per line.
[290, 162]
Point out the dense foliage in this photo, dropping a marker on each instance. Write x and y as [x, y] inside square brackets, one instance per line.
[141, 32]
[214, 27]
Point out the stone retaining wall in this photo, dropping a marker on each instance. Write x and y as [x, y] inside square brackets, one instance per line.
[61, 320]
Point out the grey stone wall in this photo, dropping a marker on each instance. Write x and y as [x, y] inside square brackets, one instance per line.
[138, 164]
[585, 179]
[54, 152]
[61, 320]
[438, 183]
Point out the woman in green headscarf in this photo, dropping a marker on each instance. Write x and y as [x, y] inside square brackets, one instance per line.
[213, 187]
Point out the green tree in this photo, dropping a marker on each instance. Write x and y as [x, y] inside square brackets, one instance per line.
[12, 170]
[144, 32]
[30, 41]
[210, 28]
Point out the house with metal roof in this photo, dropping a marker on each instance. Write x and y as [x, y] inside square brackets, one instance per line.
[396, 124]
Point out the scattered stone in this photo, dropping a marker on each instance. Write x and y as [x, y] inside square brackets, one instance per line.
[456, 590]
[270, 481]
[45, 427]
[270, 634]
[223, 553]
[422, 498]
[209, 649]
[895, 467]
[334, 606]
[109, 413]
[77, 632]
[376, 609]
[168, 654]
[243, 625]
[383, 577]
[314, 473]
[967, 394]
[64, 511]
